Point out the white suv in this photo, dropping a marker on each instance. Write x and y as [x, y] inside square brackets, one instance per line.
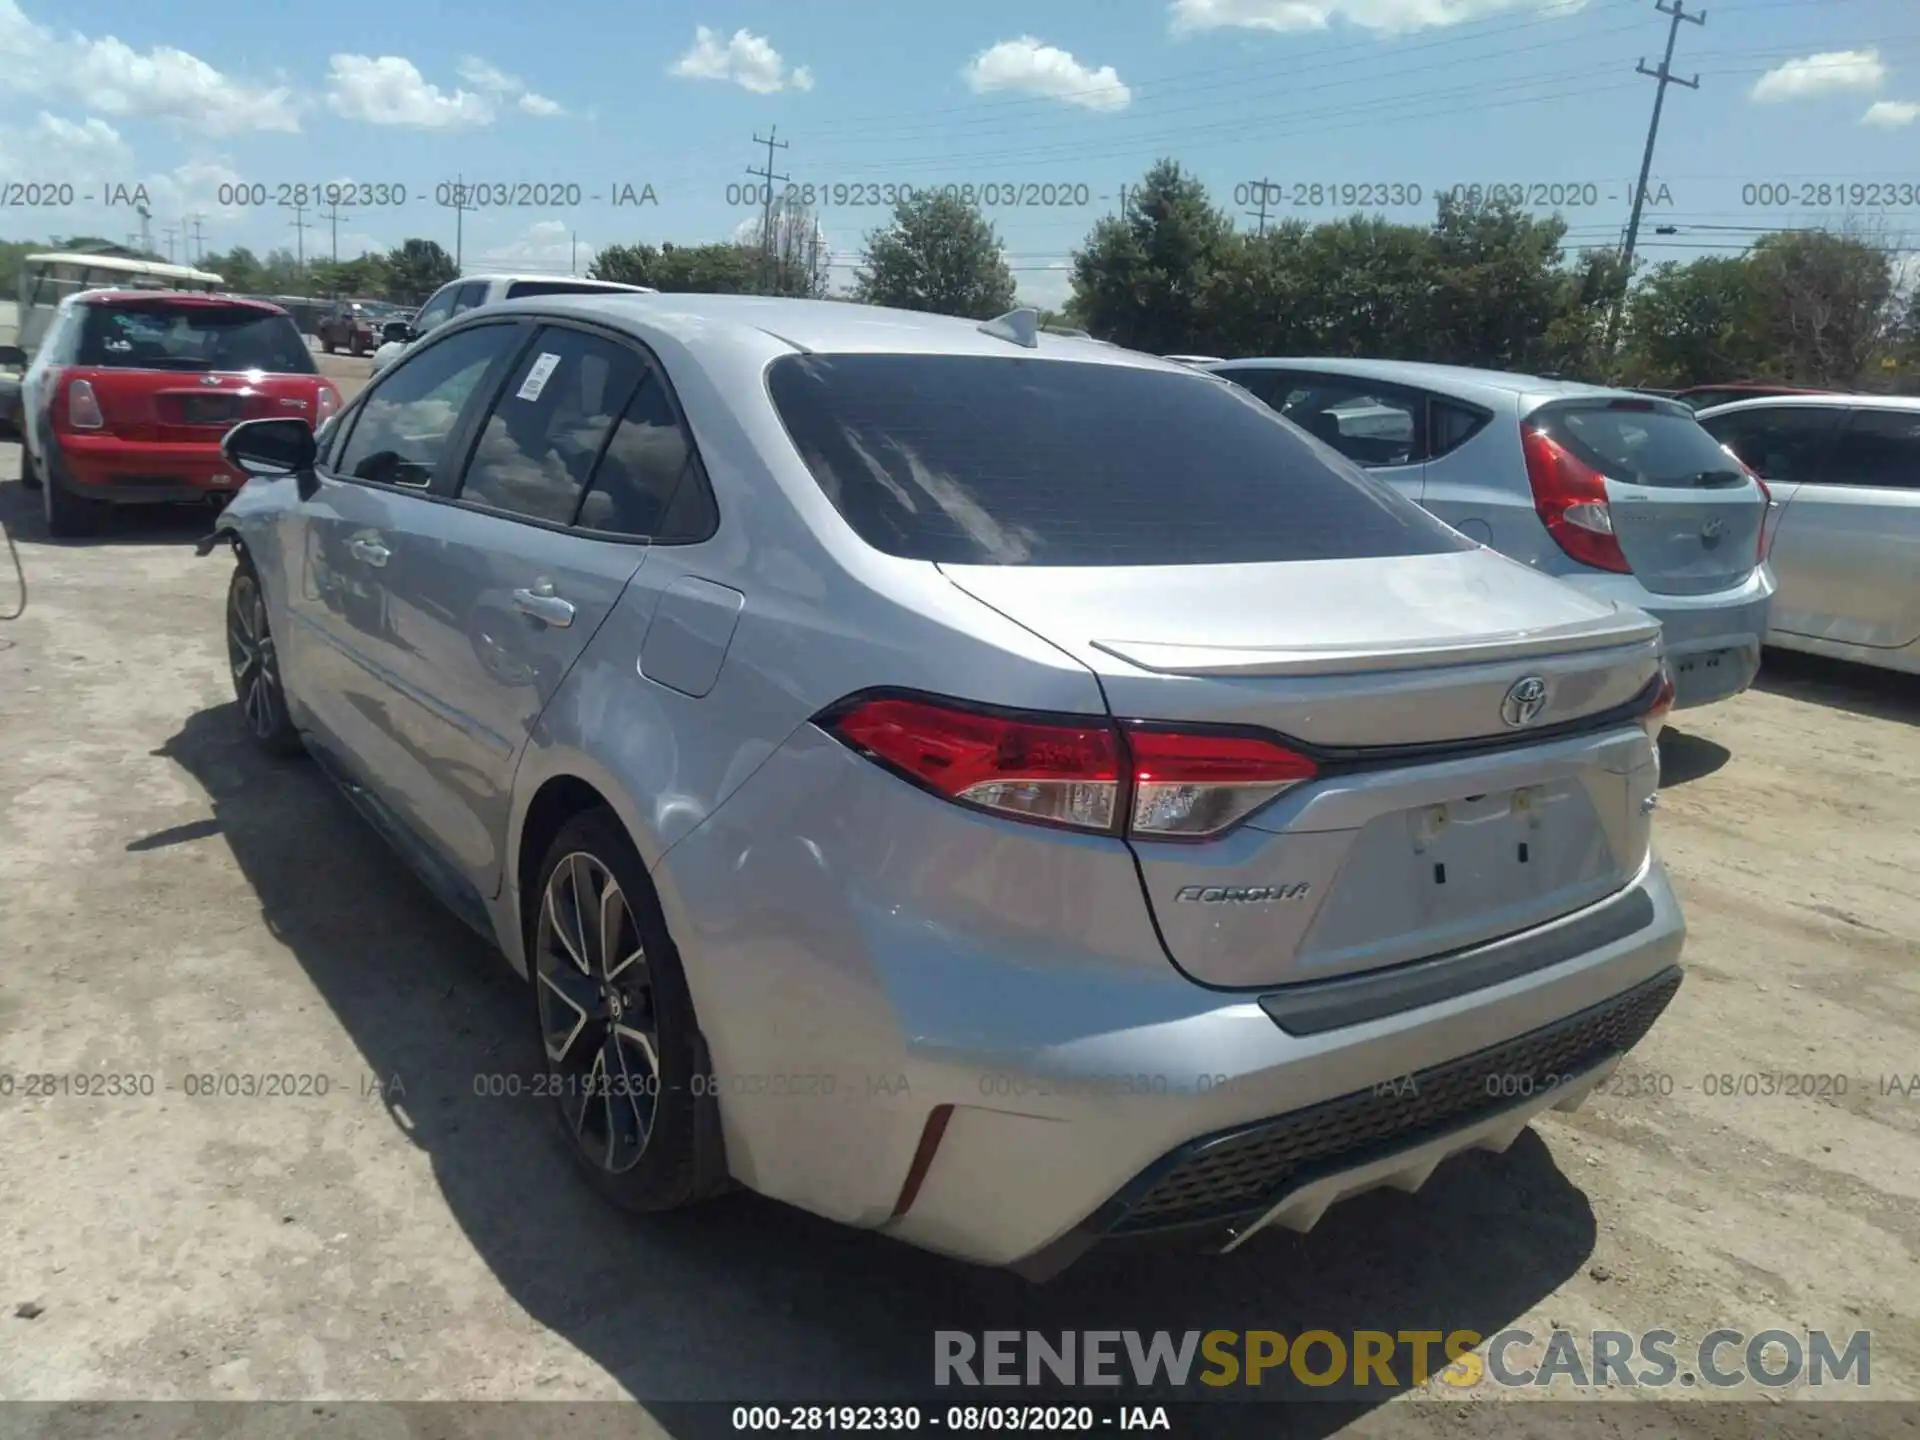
[456, 297]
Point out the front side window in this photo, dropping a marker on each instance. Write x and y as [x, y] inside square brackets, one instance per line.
[990, 460]
[439, 308]
[1880, 448]
[404, 425]
[539, 444]
[170, 335]
[1781, 442]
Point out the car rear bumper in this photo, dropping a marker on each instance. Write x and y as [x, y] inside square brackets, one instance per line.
[132, 472]
[1712, 641]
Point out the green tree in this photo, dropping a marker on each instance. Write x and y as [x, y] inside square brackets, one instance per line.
[417, 268]
[1147, 278]
[940, 254]
[239, 267]
[1496, 285]
[363, 278]
[719, 269]
[1696, 322]
[1825, 305]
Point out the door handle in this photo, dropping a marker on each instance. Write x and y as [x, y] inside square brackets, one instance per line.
[370, 551]
[543, 605]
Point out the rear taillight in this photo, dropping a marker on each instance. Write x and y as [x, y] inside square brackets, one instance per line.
[1148, 781]
[1571, 499]
[83, 407]
[325, 405]
[1655, 717]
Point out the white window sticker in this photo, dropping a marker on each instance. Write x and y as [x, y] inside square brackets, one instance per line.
[537, 377]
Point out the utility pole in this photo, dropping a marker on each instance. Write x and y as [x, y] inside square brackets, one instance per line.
[169, 231]
[199, 246]
[333, 217]
[813, 262]
[573, 260]
[300, 227]
[460, 208]
[1665, 76]
[1266, 188]
[146, 228]
[766, 216]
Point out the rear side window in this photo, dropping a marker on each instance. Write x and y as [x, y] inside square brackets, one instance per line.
[1879, 448]
[1786, 442]
[154, 335]
[1656, 446]
[984, 460]
[650, 482]
[548, 425]
[1452, 425]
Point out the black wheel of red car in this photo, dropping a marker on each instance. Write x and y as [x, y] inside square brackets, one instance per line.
[256, 665]
[326, 343]
[29, 470]
[625, 1061]
[67, 514]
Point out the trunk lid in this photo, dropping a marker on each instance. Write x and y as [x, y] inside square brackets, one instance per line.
[174, 406]
[1444, 814]
[1687, 516]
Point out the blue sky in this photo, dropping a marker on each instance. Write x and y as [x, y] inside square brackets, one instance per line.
[1078, 95]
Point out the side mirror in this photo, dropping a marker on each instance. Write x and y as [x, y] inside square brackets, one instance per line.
[397, 331]
[12, 355]
[271, 449]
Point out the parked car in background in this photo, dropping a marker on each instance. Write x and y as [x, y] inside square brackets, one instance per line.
[805, 689]
[355, 325]
[1195, 359]
[1845, 472]
[457, 297]
[131, 391]
[1617, 492]
[1702, 397]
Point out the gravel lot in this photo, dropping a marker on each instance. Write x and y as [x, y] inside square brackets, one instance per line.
[172, 906]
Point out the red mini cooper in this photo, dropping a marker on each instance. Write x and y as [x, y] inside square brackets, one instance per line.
[131, 392]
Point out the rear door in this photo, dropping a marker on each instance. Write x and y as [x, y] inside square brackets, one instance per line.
[500, 592]
[1248, 591]
[1378, 426]
[1688, 519]
[1848, 546]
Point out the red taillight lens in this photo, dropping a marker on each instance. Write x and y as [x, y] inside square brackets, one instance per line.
[1053, 773]
[1571, 499]
[83, 407]
[1656, 716]
[1194, 784]
[1150, 782]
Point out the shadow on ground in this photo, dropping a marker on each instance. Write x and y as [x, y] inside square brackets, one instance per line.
[20, 511]
[748, 1298]
[1685, 757]
[1859, 689]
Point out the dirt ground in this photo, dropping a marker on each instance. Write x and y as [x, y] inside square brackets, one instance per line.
[172, 906]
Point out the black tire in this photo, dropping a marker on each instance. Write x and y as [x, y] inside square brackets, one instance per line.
[69, 515]
[327, 345]
[648, 1137]
[256, 666]
[356, 347]
[29, 471]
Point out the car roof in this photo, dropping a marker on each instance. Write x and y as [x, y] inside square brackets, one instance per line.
[177, 297]
[548, 277]
[777, 324]
[1461, 380]
[1818, 400]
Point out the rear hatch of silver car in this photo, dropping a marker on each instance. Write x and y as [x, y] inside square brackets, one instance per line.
[1686, 515]
[1340, 736]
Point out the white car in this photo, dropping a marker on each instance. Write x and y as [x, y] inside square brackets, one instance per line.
[456, 297]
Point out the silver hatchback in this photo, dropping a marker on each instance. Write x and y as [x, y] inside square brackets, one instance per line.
[991, 788]
[1615, 491]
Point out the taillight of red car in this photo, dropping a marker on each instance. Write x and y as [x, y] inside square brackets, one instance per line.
[1145, 780]
[326, 404]
[1570, 497]
[75, 405]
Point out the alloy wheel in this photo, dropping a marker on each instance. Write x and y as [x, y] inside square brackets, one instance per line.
[597, 1013]
[256, 679]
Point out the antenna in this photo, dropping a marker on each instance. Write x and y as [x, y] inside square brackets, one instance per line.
[1022, 327]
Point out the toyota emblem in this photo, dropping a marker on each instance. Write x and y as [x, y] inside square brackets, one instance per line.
[1526, 698]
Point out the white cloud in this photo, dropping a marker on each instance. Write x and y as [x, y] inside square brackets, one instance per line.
[748, 60]
[1387, 17]
[1029, 66]
[494, 82]
[1821, 75]
[544, 246]
[390, 90]
[1891, 114]
[112, 78]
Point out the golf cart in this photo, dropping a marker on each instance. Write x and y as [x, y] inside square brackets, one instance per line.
[47, 279]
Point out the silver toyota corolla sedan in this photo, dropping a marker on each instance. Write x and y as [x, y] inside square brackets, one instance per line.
[1845, 472]
[1617, 492]
[992, 788]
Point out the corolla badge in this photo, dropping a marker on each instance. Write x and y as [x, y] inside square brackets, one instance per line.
[1240, 894]
[1524, 701]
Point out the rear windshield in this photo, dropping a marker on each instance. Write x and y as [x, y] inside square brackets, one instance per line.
[1653, 447]
[148, 336]
[520, 289]
[983, 460]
